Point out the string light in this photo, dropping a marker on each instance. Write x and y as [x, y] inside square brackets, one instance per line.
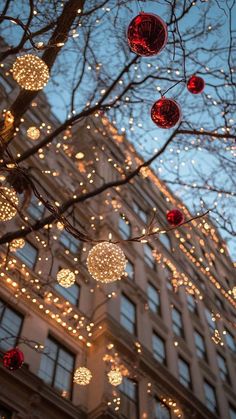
[115, 377]
[17, 244]
[106, 262]
[33, 133]
[66, 278]
[30, 72]
[8, 203]
[82, 376]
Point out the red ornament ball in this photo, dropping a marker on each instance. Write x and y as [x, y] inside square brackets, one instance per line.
[13, 359]
[166, 113]
[147, 34]
[195, 85]
[175, 217]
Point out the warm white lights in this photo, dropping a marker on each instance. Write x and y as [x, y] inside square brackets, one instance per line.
[82, 376]
[33, 133]
[17, 244]
[106, 262]
[8, 203]
[115, 377]
[30, 72]
[66, 278]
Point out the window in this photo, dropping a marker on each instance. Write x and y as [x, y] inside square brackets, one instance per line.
[200, 346]
[129, 398]
[71, 294]
[210, 397]
[219, 303]
[140, 212]
[184, 373]
[28, 255]
[57, 366]
[36, 208]
[10, 326]
[164, 239]
[209, 320]
[153, 299]
[128, 314]
[69, 242]
[224, 372]
[158, 346]
[5, 413]
[192, 305]
[124, 228]
[161, 410]
[5, 84]
[148, 256]
[177, 322]
[230, 341]
[130, 270]
[232, 412]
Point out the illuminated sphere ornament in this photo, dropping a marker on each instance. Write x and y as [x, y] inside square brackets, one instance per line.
[195, 85]
[17, 244]
[115, 377]
[106, 262]
[33, 133]
[66, 278]
[82, 376]
[13, 359]
[147, 34]
[8, 203]
[175, 217]
[166, 113]
[30, 72]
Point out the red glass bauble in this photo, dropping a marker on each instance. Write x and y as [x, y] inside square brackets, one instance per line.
[166, 113]
[175, 217]
[13, 359]
[195, 85]
[147, 34]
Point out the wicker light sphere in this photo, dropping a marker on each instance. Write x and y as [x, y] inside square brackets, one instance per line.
[33, 133]
[106, 262]
[82, 376]
[8, 202]
[66, 278]
[115, 377]
[17, 244]
[30, 72]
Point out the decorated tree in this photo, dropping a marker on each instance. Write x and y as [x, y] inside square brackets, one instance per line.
[162, 76]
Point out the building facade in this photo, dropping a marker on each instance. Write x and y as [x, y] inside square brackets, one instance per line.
[167, 326]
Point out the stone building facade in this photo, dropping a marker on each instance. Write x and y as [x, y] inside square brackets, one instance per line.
[168, 325]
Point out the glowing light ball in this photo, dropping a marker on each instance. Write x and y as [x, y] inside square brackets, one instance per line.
[147, 34]
[33, 133]
[13, 359]
[30, 72]
[60, 226]
[166, 113]
[175, 217]
[66, 278]
[115, 377]
[8, 203]
[82, 376]
[17, 244]
[195, 85]
[106, 262]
